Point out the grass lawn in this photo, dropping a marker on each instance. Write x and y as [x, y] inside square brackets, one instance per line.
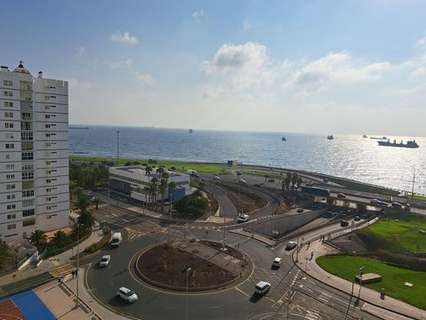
[393, 278]
[214, 168]
[420, 197]
[401, 235]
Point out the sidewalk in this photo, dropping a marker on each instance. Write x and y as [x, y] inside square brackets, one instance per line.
[374, 304]
[52, 262]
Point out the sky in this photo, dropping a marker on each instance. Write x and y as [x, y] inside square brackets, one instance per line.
[356, 67]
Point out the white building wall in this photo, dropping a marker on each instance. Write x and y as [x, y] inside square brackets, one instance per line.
[34, 118]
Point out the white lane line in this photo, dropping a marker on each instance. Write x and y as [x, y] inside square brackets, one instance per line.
[242, 292]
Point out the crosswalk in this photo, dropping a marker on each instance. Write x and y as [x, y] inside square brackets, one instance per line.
[312, 315]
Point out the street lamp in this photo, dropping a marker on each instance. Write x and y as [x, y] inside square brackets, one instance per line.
[187, 274]
[360, 284]
[352, 290]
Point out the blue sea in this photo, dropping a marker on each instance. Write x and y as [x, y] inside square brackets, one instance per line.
[350, 156]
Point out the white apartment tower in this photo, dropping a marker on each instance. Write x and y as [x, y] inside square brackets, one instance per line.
[34, 181]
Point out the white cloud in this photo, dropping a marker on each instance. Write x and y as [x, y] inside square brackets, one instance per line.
[198, 15]
[421, 43]
[80, 51]
[124, 38]
[146, 79]
[126, 63]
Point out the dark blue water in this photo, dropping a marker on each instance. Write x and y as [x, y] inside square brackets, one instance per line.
[346, 156]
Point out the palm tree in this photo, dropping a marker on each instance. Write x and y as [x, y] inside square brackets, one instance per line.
[154, 188]
[39, 240]
[82, 202]
[293, 181]
[148, 170]
[287, 181]
[163, 187]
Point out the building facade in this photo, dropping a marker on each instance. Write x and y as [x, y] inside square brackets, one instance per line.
[133, 181]
[34, 181]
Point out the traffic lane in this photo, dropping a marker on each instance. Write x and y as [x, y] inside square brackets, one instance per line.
[227, 207]
[229, 304]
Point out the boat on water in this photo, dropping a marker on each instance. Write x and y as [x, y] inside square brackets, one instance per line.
[364, 136]
[283, 139]
[330, 137]
[379, 138]
[409, 144]
[191, 131]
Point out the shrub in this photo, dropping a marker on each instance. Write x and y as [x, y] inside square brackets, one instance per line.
[192, 206]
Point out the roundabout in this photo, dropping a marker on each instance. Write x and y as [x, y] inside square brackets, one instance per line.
[202, 297]
[192, 266]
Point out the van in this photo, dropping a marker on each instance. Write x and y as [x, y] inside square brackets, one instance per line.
[262, 287]
[116, 239]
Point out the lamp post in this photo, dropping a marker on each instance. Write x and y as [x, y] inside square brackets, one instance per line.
[360, 284]
[187, 274]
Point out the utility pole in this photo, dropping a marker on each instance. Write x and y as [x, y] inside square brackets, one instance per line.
[118, 144]
[78, 261]
[413, 183]
[187, 273]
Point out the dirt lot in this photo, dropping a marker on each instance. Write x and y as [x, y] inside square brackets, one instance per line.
[166, 264]
[243, 200]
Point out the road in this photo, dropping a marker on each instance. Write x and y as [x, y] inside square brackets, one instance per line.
[302, 296]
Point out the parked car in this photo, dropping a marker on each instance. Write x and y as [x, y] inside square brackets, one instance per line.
[276, 263]
[357, 218]
[127, 295]
[242, 181]
[105, 260]
[271, 180]
[344, 223]
[262, 287]
[341, 196]
[243, 218]
[397, 205]
[217, 178]
[116, 239]
[300, 210]
[379, 203]
[291, 245]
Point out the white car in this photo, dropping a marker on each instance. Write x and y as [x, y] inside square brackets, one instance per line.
[262, 287]
[127, 294]
[105, 260]
[291, 245]
[276, 263]
[243, 218]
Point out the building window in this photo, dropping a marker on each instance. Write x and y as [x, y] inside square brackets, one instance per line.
[27, 193]
[8, 114]
[8, 93]
[10, 166]
[26, 115]
[50, 125]
[11, 206]
[8, 83]
[28, 222]
[8, 125]
[10, 196]
[10, 146]
[27, 212]
[27, 175]
[27, 156]
[10, 176]
[10, 187]
[27, 166]
[49, 107]
[8, 104]
[48, 116]
[28, 203]
[26, 126]
[11, 226]
[26, 135]
[11, 216]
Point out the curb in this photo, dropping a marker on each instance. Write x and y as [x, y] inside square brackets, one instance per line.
[343, 291]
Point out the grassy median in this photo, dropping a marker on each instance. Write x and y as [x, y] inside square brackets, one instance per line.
[393, 278]
[400, 235]
[182, 166]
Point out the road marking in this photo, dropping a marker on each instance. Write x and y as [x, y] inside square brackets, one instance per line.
[242, 292]
[312, 315]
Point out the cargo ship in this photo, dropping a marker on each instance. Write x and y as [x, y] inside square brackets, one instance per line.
[409, 144]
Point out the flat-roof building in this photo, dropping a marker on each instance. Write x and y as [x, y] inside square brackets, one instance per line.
[133, 182]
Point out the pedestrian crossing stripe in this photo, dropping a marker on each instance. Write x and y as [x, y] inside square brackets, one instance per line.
[312, 315]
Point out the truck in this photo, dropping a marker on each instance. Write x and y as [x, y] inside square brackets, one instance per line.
[116, 239]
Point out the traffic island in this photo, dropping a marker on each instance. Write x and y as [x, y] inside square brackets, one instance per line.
[192, 266]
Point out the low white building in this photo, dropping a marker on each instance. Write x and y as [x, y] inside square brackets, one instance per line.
[133, 182]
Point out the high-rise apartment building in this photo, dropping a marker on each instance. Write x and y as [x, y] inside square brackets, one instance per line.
[34, 181]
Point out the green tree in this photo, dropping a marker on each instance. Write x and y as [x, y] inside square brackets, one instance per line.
[60, 239]
[172, 188]
[163, 187]
[148, 170]
[154, 189]
[82, 202]
[39, 240]
[85, 219]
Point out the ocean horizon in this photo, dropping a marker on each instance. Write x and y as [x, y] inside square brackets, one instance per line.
[350, 156]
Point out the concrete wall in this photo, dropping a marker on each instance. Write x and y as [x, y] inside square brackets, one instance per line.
[283, 223]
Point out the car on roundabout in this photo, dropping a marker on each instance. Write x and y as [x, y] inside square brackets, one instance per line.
[262, 287]
[276, 263]
[291, 245]
[243, 218]
[105, 260]
[127, 295]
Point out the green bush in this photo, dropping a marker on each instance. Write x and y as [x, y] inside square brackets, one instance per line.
[100, 244]
[192, 206]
